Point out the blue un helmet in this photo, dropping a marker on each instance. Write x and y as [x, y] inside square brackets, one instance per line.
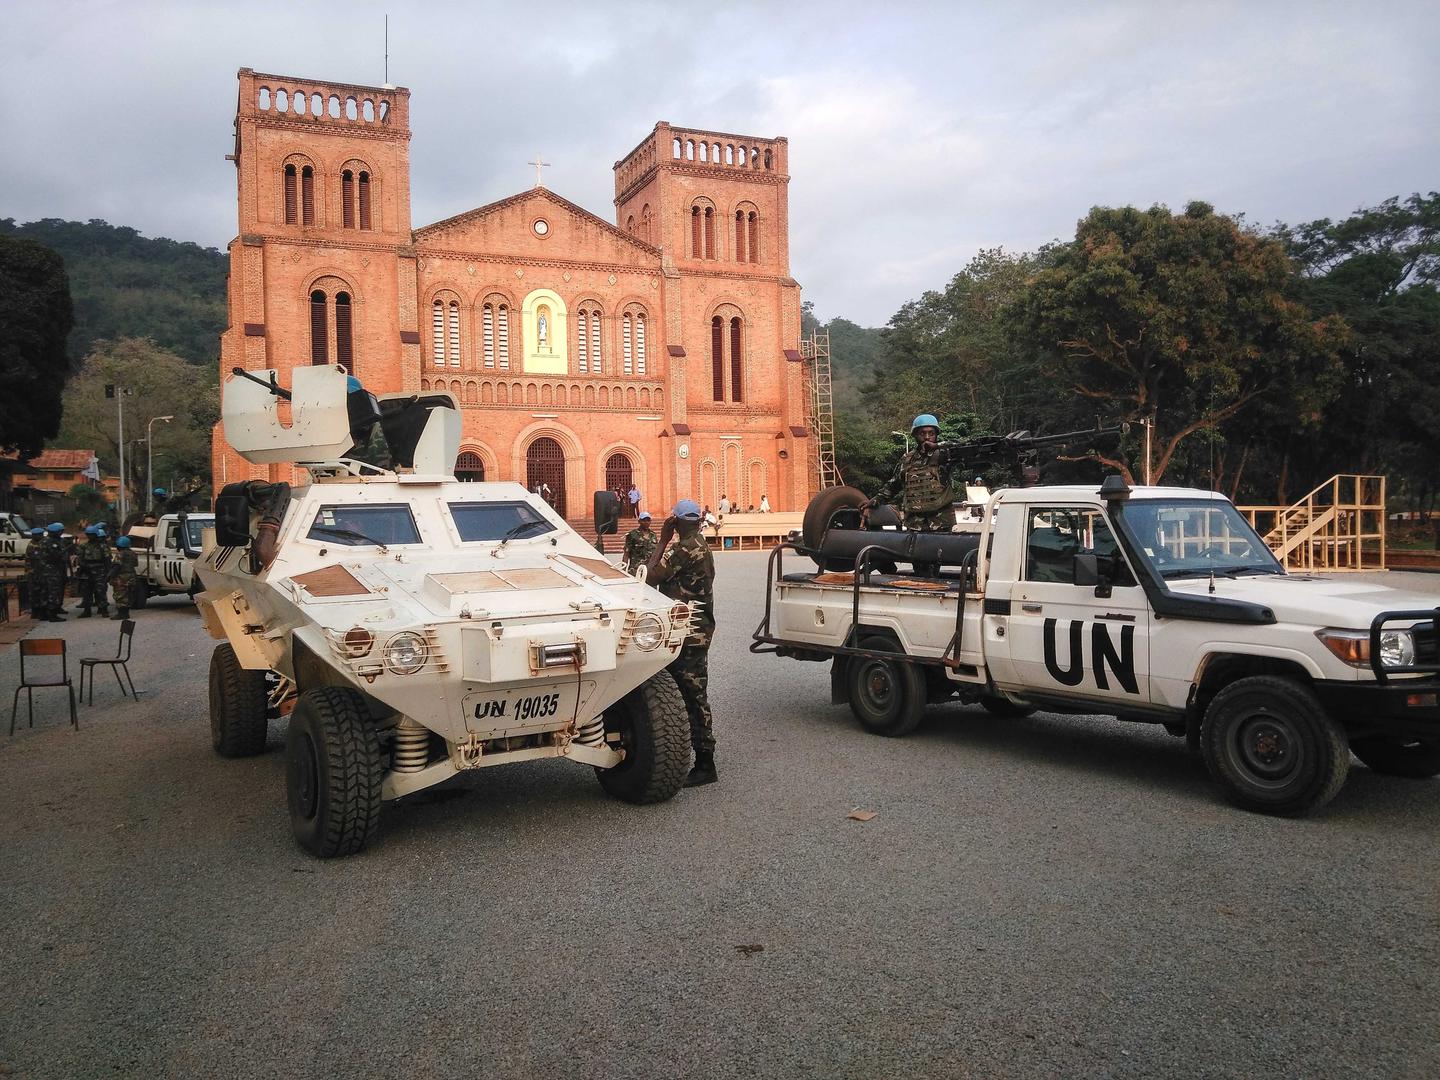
[159, 493]
[924, 420]
[644, 515]
[36, 533]
[55, 527]
[123, 542]
[687, 510]
[91, 530]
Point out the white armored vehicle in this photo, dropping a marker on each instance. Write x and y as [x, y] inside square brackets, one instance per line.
[414, 627]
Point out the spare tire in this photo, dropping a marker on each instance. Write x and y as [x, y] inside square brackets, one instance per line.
[821, 513]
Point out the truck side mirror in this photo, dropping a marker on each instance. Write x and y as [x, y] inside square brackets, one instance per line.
[1093, 570]
[232, 520]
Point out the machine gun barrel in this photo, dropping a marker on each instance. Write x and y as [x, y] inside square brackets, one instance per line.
[1066, 436]
[274, 387]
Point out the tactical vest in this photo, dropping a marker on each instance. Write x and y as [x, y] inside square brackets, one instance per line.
[927, 488]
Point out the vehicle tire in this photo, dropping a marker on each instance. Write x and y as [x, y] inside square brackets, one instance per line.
[654, 730]
[886, 696]
[999, 706]
[238, 705]
[1394, 756]
[1272, 747]
[140, 593]
[333, 772]
[818, 514]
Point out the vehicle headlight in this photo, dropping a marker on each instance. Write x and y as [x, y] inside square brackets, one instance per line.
[649, 632]
[405, 653]
[1397, 648]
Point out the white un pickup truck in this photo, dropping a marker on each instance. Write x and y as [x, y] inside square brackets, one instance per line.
[167, 549]
[1152, 604]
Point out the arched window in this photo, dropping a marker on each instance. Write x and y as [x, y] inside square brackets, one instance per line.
[709, 232]
[587, 340]
[307, 195]
[445, 331]
[645, 223]
[469, 468]
[344, 333]
[737, 364]
[695, 244]
[365, 200]
[754, 244]
[739, 235]
[347, 199]
[495, 332]
[291, 196]
[319, 329]
[717, 358]
[633, 358]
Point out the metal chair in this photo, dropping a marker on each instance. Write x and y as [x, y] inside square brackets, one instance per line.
[118, 664]
[42, 647]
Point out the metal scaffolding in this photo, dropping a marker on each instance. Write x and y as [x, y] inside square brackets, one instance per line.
[820, 410]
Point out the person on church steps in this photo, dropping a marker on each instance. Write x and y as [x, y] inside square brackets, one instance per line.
[639, 544]
[634, 498]
[724, 506]
[685, 570]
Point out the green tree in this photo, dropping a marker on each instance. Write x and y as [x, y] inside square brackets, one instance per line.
[157, 383]
[35, 320]
[1379, 270]
[1190, 320]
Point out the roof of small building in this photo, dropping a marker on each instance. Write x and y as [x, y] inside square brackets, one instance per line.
[58, 460]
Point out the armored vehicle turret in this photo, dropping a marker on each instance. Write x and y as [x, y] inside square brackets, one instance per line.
[413, 627]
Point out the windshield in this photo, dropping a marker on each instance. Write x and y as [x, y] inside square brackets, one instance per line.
[497, 520]
[1197, 538]
[365, 524]
[20, 523]
[195, 528]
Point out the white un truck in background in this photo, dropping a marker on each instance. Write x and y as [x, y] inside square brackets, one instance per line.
[1151, 604]
[166, 550]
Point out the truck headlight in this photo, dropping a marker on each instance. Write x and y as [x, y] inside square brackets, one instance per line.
[649, 632]
[1397, 648]
[405, 653]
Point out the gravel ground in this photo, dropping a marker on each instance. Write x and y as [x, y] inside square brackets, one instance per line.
[1056, 896]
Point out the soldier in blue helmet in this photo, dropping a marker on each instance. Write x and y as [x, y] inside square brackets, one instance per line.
[35, 571]
[685, 571]
[53, 561]
[92, 572]
[122, 577]
[922, 481]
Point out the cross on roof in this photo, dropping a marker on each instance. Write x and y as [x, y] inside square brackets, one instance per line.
[539, 163]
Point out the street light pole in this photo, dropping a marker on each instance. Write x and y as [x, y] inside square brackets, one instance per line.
[120, 412]
[150, 454]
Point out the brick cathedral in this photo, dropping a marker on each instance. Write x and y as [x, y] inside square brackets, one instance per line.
[660, 350]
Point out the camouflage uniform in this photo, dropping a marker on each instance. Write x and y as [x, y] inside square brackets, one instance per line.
[927, 496]
[92, 575]
[55, 560]
[122, 580]
[35, 577]
[639, 546]
[687, 572]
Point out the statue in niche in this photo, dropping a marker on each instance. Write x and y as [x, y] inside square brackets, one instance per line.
[542, 327]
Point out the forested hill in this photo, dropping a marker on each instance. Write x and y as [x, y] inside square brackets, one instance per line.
[854, 353]
[127, 285]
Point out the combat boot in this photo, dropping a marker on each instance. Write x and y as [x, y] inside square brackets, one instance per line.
[120, 613]
[704, 770]
[85, 613]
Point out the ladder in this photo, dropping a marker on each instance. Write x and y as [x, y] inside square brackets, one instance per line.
[819, 410]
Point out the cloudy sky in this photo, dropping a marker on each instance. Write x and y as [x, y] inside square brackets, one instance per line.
[919, 132]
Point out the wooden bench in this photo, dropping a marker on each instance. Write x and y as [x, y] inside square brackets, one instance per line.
[754, 532]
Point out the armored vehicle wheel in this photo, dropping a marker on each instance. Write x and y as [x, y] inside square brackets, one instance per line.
[999, 706]
[1268, 742]
[238, 705]
[1398, 757]
[333, 772]
[654, 730]
[818, 516]
[886, 696]
[139, 593]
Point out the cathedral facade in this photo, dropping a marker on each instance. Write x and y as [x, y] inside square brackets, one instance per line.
[660, 350]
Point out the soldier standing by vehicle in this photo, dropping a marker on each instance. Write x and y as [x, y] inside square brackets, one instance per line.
[35, 587]
[92, 573]
[122, 577]
[55, 560]
[685, 571]
[639, 544]
[922, 481]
